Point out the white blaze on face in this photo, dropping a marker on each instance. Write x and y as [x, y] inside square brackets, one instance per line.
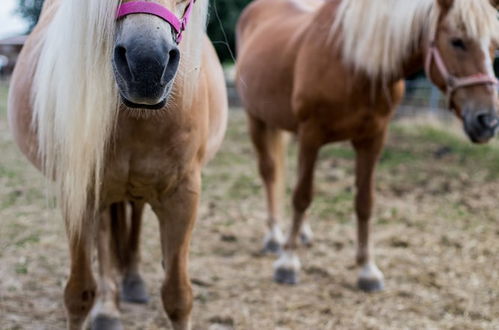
[489, 64]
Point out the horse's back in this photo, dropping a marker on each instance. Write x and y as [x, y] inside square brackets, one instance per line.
[269, 34]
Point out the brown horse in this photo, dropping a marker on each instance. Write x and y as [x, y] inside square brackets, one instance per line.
[121, 112]
[332, 71]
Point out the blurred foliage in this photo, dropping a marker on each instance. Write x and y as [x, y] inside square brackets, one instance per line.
[30, 11]
[222, 25]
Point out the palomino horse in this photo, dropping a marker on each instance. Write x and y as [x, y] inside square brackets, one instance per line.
[110, 102]
[332, 71]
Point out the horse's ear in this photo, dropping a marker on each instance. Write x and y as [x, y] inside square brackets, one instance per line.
[446, 5]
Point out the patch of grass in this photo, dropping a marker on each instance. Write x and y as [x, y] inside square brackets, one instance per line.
[337, 150]
[243, 186]
[6, 172]
[337, 205]
[392, 157]
[3, 99]
[21, 269]
[30, 239]
[10, 199]
[428, 140]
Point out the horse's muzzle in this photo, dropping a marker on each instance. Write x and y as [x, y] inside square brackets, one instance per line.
[145, 71]
[481, 127]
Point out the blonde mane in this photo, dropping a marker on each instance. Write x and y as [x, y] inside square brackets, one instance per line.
[378, 36]
[75, 98]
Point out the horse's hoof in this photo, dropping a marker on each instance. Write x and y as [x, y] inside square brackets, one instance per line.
[287, 268]
[370, 278]
[286, 276]
[273, 242]
[370, 285]
[272, 247]
[133, 289]
[306, 240]
[103, 322]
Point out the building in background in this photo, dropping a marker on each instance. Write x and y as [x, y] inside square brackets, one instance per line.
[9, 51]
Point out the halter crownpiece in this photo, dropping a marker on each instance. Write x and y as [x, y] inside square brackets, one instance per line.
[452, 82]
[152, 8]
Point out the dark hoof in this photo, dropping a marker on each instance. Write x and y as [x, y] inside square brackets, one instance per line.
[370, 285]
[133, 290]
[286, 276]
[103, 322]
[306, 240]
[272, 247]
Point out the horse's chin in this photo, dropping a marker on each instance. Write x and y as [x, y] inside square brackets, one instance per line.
[132, 105]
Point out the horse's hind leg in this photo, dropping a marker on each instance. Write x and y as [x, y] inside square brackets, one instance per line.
[105, 314]
[368, 151]
[177, 214]
[133, 288]
[80, 291]
[270, 149]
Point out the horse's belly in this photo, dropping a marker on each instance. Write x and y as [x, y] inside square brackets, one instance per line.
[265, 87]
[267, 50]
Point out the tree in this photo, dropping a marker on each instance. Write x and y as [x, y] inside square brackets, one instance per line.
[30, 11]
[222, 24]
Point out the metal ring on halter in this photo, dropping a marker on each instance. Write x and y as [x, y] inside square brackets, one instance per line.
[151, 8]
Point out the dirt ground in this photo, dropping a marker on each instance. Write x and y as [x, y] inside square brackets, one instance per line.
[436, 234]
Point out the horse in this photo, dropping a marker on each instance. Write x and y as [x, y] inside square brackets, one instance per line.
[332, 70]
[121, 103]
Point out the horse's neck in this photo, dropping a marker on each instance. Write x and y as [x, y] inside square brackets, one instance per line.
[406, 63]
[414, 64]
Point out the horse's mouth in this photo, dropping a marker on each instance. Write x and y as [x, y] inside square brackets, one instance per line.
[133, 105]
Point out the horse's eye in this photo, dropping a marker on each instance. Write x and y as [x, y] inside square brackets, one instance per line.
[458, 43]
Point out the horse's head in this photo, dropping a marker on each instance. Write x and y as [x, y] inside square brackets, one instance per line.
[460, 59]
[146, 53]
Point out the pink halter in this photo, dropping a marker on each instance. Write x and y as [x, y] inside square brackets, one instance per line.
[452, 82]
[151, 8]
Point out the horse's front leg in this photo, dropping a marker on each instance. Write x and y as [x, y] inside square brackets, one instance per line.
[177, 214]
[288, 265]
[368, 151]
[126, 240]
[80, 291]
[106, 314]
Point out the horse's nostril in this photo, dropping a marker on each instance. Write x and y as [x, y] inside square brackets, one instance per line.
[171, 66]
[174, 55]
[121, 61]
[488, 120]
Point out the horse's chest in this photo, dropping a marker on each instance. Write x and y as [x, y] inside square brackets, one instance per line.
[145, 173]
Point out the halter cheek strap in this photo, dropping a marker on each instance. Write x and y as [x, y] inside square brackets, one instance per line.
[452, 82]
[151, 8]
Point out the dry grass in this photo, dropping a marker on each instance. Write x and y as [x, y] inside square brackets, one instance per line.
[436, 228]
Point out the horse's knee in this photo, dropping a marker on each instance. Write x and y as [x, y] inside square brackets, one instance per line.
[177, 302]
[267, 169]
[301, 201]
[79, 298]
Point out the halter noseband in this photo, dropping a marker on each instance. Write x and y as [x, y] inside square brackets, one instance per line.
[452, 82]
[151, 8]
